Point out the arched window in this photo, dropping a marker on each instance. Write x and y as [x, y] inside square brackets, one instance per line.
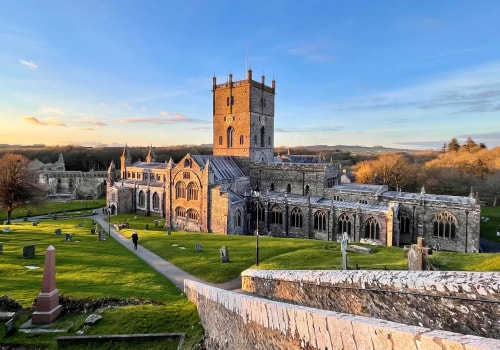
[180, 212]
[259, 211]
[372, 228]
[276, 215]
[296, 217]
[269, 141]
[192, 192]
[320, 220]
[262, 136]
[180, 190]
[272, 186]
[237, 219]
[404, 223]
[338, 198]
[255, 139]
[241, 139]
[445, 225]
[187, 163]
[230, 135]
[306, 189]
[344, 224]
[156, 201]
[220, 140]
[363, 201]
[142, 199]
[288, 188]
[192, 214]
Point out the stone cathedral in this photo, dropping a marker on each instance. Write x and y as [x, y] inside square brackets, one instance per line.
[245, 188]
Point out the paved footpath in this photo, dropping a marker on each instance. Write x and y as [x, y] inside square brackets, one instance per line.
[172, 272]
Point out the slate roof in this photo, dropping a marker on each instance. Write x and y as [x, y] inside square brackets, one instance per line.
[295, 199]
[429, 197]
[146, 165]
[223, 167]
[375, 189]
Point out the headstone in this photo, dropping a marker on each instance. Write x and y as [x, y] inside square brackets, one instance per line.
[417, 256]
[343, 247]
[10, 326]
[6, 229]
[198, 247]
[29, 251]
[25, 218]
[47, 307]
[35, 223]
[224, 254]
[156, 223]
[1, 248]
[146, 226]
[102, 235]
[68, 237]
[80, 224]
[92, 231]
[94, 222]
[57, 231]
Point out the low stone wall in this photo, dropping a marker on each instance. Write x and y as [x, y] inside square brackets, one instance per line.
[240, 321]
[461, 302]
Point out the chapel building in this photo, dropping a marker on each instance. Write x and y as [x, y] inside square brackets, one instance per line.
[244, 188]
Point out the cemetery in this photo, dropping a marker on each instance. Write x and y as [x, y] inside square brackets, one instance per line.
[214, 258]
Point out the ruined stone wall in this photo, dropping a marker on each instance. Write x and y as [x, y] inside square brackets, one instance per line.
[462, 302]
[240, 321]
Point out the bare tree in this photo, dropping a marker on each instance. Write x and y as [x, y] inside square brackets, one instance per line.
[18, 183]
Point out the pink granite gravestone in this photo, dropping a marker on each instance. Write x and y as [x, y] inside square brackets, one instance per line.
[47, 307]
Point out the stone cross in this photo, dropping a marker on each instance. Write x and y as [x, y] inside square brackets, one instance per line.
[417, 256]
[343, 247]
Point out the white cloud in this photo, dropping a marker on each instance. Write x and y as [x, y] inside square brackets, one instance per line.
[30, 64]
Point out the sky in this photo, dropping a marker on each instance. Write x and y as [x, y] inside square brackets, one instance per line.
[404, 74]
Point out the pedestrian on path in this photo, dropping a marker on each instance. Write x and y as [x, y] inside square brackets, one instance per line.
[135, 239]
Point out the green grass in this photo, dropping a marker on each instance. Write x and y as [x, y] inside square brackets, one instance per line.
[490, 225]
[87, 268]
[277, 253]
[56, 206]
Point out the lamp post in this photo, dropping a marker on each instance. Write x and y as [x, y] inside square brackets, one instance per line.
[256, 194]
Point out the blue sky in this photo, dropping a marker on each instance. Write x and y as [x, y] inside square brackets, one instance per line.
[406, 74]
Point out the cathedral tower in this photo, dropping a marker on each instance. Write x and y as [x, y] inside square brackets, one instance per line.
[243, 118]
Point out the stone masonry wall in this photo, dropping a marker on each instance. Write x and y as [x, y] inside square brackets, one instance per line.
[240, 321]
[462, 302]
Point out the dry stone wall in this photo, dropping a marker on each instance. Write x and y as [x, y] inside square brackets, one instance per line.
[240, 321]
[461, 302]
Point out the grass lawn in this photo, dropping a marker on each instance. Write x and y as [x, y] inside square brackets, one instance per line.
[87, 268]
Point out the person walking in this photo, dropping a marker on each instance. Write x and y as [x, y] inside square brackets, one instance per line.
[135, 239]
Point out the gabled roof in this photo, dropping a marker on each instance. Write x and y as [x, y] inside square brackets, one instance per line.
[223, 167]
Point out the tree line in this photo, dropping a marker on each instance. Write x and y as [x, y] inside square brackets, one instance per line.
[456, 170]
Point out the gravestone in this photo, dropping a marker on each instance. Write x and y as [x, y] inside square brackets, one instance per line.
[10, 327]
[1, 248]
[80, 224]
[343, 247]
[198, 247]
[29, 251]
[146, 226]
[102, 235]
[156, 223]
[94, 222]
[68, 237]
[418, 255]
[47, 307]
[57, 232]
[92, 231]
[35, 223]
[6, 229]
[224, 254]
